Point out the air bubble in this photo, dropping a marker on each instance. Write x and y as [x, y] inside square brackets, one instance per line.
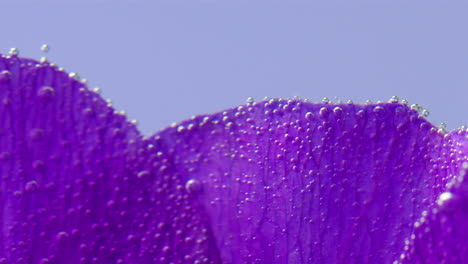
[74, 75]
[45, 48]
[5, 76]
[379, 111]
[143, 174]
[62, 236]
[31, 186]
[443, 128]
[425, 113]
[323, 112]
[394, 99]
[444, 197]
[193, 186]
[416, 107]
[13, 52]
[338, 111]
[46, 92]
[338, 100]
[465, 165]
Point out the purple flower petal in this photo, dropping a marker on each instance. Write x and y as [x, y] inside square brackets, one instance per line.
[294, 182]
[271, 182]
[441, 235]
[78, 182]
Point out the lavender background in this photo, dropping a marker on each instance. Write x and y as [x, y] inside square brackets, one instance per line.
[164, 61]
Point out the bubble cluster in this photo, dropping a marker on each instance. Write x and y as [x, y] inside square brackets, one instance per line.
[273, 181]
[80, 183]
[296, 171]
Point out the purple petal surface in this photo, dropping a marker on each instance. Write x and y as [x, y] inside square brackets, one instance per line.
[294, 182]
[271, 182]
[78, 182]
[441, 234]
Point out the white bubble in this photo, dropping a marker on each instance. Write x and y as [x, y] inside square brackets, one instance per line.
[193, 186]
[444, 197]
[45, 48]
[31, 186]
[394, 99]
[13, 52]
[465, 165]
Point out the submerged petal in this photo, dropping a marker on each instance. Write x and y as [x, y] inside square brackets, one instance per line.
[293, 182]
[271, 182]
[441, 235]
[78, 182]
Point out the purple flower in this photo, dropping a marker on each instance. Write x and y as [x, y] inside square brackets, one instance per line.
[278, 181]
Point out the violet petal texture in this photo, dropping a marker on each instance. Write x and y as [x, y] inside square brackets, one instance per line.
[441, 234]
[78, 183]
[293, 182]
[277, 181]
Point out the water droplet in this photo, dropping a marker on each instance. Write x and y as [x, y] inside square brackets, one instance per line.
[250, 100]
[308, 115]
[46, 92]
[193, 186]
[326, 100]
